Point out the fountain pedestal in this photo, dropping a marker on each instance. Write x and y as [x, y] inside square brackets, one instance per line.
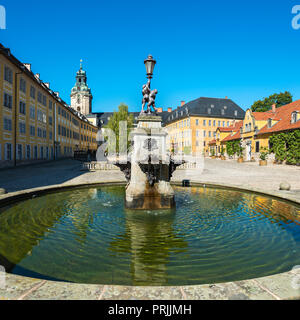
[149, 186]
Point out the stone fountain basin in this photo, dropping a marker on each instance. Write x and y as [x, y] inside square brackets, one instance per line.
[275, 287]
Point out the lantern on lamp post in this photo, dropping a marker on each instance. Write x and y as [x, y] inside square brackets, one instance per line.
[149, 63]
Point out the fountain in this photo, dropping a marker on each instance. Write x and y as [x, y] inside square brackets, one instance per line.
[149, 167]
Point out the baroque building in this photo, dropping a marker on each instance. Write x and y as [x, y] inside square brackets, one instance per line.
[35, 123]
[81, 95]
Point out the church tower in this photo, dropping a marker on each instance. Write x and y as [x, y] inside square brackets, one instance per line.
[81, 95]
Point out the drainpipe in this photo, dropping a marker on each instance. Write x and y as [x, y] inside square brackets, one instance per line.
[16, 106]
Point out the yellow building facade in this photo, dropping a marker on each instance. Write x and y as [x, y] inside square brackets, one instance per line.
[192, 126]
[35, 124]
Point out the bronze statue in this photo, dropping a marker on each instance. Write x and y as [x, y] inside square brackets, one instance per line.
[148, 98]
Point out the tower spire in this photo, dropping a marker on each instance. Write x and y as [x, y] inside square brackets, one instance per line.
[80, 64]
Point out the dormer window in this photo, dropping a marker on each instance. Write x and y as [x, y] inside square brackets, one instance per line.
[235, 113]
[294, 117]
[269, 123]
[222, 112]
[209, 110]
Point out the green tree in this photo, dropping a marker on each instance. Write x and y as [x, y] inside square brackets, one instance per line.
[114, 123]
[280, 99]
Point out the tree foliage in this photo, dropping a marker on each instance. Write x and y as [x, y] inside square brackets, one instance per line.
[280, 99]
[286, 146]
[233, 147]
[114, 123]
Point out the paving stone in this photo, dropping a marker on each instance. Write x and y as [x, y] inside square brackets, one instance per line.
[141, 293]
[285, 285]
[16, 286]
[66, 291]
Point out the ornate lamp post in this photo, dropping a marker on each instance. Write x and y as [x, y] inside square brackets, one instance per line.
[148, 94]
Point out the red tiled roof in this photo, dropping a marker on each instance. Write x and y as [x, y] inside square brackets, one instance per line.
[266, 115]
[236, 136]
[212, 142]
[236, 132]
[284, 116]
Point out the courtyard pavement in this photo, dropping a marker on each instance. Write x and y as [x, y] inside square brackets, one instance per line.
[69, 172]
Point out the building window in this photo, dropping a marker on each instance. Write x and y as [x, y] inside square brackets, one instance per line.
[204, 144]
[228, 123]
[44, 134]
[28, 152]
[214, 123]
[8, 75]
[47, 152]
[50, 121]
[204, 133]
[32, 92]
[59, 110]
[22, 127]
[209, 134]
[50, 105]
[22, 107]
[39, 97]
[7, 124]
[50, 135]
[39, 132]
[8, 151]
[204, 123]
[42, 153]
[257, 146]
[32, 113]
[32, 131]
[197, 122]
[35, 152]
[294, 117]
[223, 123]
[7, 101]
[22, 85]
[209, 123]
[19, 152]
[44, 100]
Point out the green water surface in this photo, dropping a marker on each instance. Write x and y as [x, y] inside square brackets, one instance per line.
[87, 236]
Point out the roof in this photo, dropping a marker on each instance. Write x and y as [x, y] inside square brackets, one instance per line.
[208, 107]
[212, 142]
[103, 117]
[266, 115]
[236, 132]
[283, 116]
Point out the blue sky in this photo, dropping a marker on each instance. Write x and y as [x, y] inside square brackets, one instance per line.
[243, 50]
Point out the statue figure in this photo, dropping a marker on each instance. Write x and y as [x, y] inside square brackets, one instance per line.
[148, 98]
[151, 102]
[146, 92]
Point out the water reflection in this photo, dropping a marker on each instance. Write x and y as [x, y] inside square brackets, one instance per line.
[149, 238]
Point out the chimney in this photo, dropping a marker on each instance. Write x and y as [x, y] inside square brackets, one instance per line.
[28, 66]
[182, 103]
[273, 108]
[37, 75]
[159, 110]
[226, 97]
[169, 110]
